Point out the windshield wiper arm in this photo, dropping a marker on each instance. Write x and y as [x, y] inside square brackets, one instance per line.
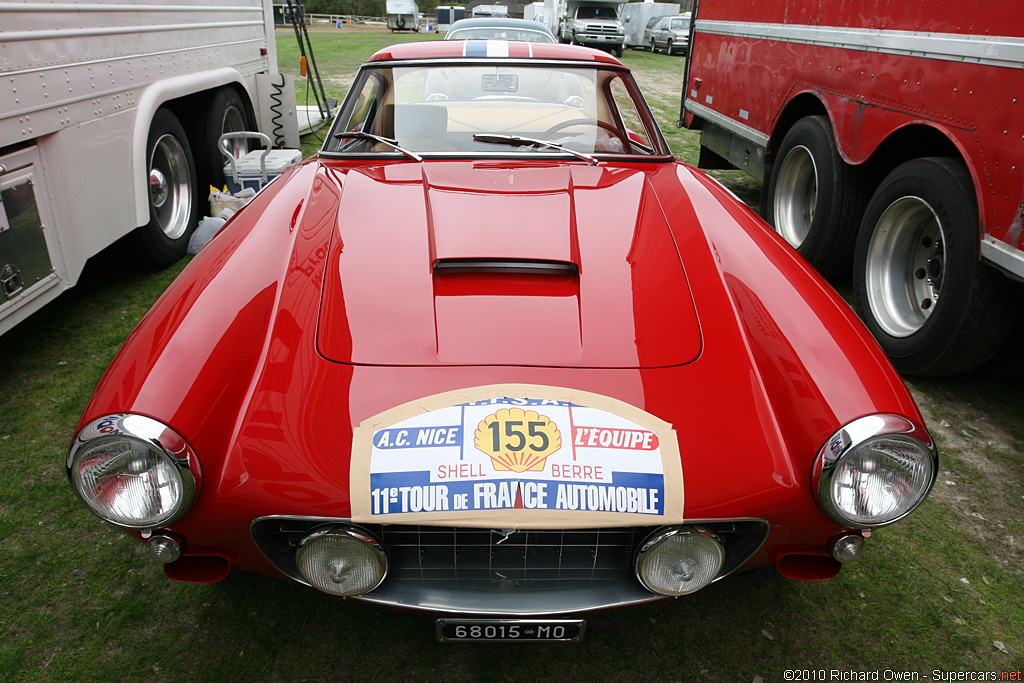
[387, 141]
[519, 141]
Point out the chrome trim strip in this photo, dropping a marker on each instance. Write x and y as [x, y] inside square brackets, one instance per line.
[512, 604]
[1004, 51]
[731, 125]
[501, 156]
[84, 9]
[103, 32]
[1003, 255]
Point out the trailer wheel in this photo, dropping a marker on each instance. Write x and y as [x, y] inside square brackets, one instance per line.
[815, 198]
[171, 181]
[226, 112]
[918, 283]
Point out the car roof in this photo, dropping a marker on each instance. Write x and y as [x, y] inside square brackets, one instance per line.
[500, 22]
[488, 49]
[476, 32]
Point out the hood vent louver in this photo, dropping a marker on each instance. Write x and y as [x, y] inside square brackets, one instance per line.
[505, 265]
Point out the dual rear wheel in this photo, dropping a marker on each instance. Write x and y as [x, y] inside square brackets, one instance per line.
[918, 283]
[179, 168]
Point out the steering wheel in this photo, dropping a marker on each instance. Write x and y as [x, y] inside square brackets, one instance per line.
[626, 144]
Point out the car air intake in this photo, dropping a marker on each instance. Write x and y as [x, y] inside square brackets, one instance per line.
[498, 265]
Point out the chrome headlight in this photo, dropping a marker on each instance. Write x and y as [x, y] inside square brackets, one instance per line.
[341, 560]
[680, 560]
[133, 471]
[874, 471]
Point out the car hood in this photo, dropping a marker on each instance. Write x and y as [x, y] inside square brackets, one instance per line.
[499, 264]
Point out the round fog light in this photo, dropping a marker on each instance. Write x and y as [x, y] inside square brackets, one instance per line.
[848, 547]
[679, 561]
[163, 548]
[341, 560]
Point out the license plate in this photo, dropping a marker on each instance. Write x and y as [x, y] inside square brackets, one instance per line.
[462, 630]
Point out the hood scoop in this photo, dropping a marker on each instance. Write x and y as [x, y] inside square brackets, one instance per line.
[453, 264]
[497, 220]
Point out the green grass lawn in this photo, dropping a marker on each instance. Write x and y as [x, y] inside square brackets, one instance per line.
[80, 601]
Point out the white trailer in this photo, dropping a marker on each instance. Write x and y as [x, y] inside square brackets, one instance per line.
[403, 15]
[448, 15]
[534, 11]
[636, 16]
[586, 22]
[110, 111]
[490, 11]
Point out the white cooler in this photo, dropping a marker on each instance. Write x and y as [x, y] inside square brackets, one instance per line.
[257, 168]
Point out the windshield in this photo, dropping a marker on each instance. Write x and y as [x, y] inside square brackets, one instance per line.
[680, 24]
[465, 109]
[596, 12]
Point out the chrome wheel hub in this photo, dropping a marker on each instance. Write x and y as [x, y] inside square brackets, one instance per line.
[157, 187]
[234, 122]
[170, 186]
[905, 266]
[796, 193]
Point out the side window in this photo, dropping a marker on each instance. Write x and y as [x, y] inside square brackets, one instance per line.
[363, 113]
[365, 107]
[628, 117]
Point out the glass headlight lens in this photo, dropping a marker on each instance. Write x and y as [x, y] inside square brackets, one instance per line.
[341, 560]
[679, 561]
[132, 471]
[875, 471]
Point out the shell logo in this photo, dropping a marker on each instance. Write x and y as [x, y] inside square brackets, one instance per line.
[517, 440]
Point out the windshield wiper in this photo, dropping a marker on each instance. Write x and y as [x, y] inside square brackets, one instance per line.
[387, 141]
[519, 141]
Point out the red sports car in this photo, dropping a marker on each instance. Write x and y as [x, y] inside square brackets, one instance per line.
[495, 354]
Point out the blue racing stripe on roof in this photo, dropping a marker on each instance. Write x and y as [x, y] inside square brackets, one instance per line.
[475, 48]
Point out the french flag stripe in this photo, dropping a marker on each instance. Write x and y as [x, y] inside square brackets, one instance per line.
[475, 48]
[485, 48]
[497, 48]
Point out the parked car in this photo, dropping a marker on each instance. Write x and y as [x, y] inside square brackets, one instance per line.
[500, 28]
[647, 30]
[671, 34]
[496, 355]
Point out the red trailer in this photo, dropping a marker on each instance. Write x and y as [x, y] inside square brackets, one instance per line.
[890, 138]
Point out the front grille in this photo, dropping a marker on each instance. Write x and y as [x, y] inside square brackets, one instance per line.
[601, 28]
[520, 560]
